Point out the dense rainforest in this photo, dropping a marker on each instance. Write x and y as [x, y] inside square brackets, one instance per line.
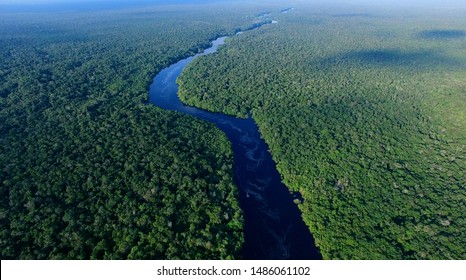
[364, 113]
[87, 169]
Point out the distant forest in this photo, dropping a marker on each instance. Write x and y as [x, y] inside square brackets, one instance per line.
[88, 170]
[364, 114]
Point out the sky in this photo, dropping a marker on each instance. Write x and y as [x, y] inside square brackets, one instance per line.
[426, 2]
[81, 5]
[47, 1]
[109, 3]
[38, 2]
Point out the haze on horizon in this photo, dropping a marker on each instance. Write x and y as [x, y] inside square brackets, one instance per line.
[51, 6]
[356, 2]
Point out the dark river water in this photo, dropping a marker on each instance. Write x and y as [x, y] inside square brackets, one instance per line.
[274, 228]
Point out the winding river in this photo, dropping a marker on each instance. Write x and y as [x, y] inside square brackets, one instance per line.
[274, 228]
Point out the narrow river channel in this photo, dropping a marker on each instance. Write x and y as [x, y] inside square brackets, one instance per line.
[274, 228]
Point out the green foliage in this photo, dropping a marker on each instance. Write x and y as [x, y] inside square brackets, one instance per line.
[87, 171]
[364, 115]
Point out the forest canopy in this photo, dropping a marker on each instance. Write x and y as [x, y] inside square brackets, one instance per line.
[364, 114]
[362, 110]
[88, 170]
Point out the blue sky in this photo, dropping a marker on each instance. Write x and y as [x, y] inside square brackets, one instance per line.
[52, 1]
[39, 1]
[390, 2]
[74, 1]
[43, 1]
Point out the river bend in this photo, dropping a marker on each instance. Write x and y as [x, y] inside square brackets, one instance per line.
[274, 228]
